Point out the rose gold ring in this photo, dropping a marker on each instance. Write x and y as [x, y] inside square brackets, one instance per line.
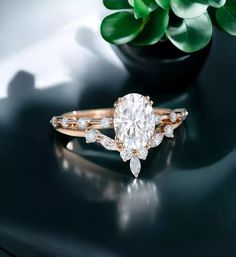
[137, 125]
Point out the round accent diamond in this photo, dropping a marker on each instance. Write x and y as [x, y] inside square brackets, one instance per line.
[83, 123]
[91, 136]
[173, 117]
[157, 119]
[64, 122]
[184, 114]
[134, 122]
[106, 122]
[54, 122]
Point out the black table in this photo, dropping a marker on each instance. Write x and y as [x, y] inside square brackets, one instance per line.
[54, 203]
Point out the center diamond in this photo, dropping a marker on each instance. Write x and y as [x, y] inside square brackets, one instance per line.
[134, 122]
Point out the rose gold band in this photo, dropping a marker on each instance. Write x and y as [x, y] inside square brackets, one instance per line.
[70, 123]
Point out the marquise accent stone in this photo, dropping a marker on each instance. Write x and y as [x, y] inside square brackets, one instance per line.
[126, 155]
[108, 143]
[169, 131]
[156, 140]
[135, 166]
[142, 153]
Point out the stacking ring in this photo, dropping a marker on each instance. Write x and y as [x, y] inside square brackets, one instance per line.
[137, 126]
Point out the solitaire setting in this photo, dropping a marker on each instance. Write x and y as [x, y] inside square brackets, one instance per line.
[137, 125]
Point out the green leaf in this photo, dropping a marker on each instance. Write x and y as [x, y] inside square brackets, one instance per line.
[131, 2]
[116, 4]
[140, 9]
[120, 27]
[216, 3]
[226, 17]
[213, 3]
[192, 34]
[165, 4]
[154, 29]
[151, 4]
[187, 9]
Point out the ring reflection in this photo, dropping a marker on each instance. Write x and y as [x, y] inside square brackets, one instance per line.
[136, 201]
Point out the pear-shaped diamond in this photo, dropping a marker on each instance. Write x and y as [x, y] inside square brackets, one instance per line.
[135, 166]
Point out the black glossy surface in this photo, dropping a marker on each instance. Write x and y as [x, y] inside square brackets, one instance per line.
[184, 204]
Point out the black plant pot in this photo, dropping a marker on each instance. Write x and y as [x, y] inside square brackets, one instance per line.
[162, 67]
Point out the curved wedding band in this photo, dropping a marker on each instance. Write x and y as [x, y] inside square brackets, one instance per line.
[137, 125]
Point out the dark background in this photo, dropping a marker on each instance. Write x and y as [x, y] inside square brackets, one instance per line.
[54, 203]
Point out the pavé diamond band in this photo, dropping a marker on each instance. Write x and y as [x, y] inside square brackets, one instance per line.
[137, 125]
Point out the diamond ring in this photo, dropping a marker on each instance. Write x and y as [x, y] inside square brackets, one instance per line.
[137, 126]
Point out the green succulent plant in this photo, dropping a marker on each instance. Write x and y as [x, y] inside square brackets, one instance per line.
[186, 23]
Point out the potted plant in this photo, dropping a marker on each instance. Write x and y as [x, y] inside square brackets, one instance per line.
[166, 42]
